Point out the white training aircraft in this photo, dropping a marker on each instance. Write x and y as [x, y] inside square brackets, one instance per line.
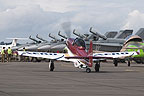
[78, 55]
[14, 43]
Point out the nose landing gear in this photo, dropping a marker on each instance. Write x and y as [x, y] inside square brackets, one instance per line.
[115, 62]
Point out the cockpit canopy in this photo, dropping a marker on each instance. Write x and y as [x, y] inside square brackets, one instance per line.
[79, 42]
[134, 38]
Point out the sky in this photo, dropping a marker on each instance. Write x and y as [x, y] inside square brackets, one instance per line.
[22, 18]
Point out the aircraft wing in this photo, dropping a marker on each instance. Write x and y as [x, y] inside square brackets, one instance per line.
[112, 55]
[106, 55]
[66, 57]
[54, 56]
[88, 57]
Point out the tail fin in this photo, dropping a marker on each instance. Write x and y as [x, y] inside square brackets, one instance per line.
[90, 51]
[90, 54]
[14, 42]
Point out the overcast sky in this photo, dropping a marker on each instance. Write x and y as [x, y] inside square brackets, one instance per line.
[22, 18]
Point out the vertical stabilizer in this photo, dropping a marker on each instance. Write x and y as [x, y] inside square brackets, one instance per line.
[90, 51]
[14, 42]
[123, 34]
[140, 33]
[90, 54]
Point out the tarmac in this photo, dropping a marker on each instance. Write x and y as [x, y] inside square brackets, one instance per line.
[35, 79]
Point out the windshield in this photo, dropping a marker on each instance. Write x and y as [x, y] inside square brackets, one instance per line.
[79, 42]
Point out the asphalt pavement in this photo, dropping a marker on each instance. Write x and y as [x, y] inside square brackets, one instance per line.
[34, 79]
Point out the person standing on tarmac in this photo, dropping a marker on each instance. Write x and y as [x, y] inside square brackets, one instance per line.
[23, 57]
[9, 54]
[3, 54]
[24, 49]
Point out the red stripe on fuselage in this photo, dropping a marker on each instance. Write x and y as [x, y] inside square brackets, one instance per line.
[78, 51]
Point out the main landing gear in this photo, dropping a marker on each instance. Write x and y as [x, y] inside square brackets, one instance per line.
[97, 66]
[115, 62]
[51, 65]
[128, 62]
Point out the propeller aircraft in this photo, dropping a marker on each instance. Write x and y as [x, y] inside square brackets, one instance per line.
[77, 53]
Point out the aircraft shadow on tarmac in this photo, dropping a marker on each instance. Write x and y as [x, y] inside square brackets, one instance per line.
[123, 71]
[112, 72]
[138, 66]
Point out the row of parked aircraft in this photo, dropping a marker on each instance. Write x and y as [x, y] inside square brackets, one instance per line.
[79, 56]
[77, 48]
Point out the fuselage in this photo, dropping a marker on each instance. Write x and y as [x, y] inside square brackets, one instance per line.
[135, 46]
[77, 48]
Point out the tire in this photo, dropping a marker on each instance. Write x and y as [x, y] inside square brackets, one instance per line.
[97, 66]
[115, 62]
[51, 66]
[138, 61]
[128, 62]
[88, 70]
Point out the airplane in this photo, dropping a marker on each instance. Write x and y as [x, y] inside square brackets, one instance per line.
[13, 44]
[77, 53]
[35, 45]
[110, 42]
[135, 43]
[37, 36]
[56, 45]
[115, 43]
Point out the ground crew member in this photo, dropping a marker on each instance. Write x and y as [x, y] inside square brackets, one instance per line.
[23, 58]
[9, 51]
[24, 49]
[3, 54]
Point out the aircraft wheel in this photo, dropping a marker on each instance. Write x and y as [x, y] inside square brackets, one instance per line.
[115, 63]
[128, 62]
[88, 70]
[51, 65]
[97, 66]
